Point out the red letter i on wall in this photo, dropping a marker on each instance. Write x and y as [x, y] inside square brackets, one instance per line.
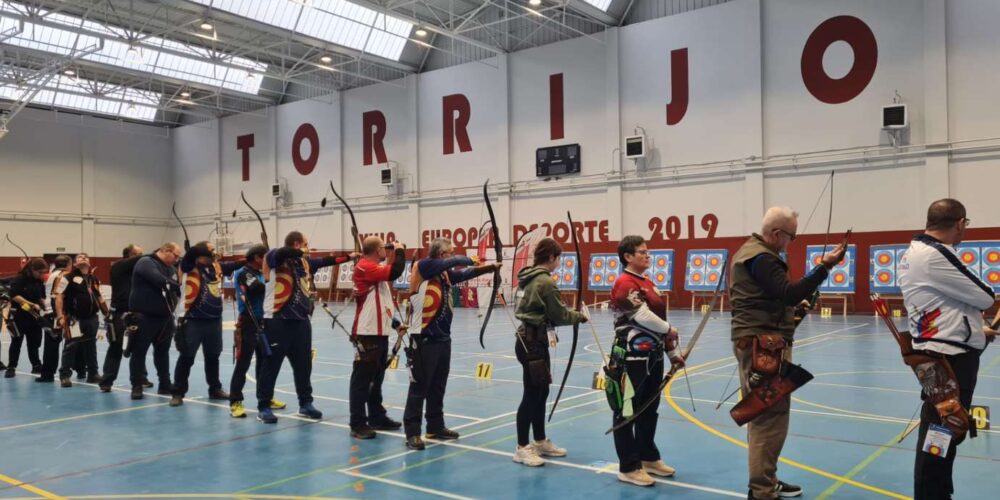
[678, 86]
[556, 119]
[244, 143]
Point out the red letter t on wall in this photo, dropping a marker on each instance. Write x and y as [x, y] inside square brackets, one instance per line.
[244, 143]
[455, 126]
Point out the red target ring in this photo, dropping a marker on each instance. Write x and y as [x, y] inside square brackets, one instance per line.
[883, 277]
[696, 277]
[598, 263]
[661, 277]
[839, 278]
[993, 277]
[697, 262]
[968, 257]
[713, 277]
[993, 257]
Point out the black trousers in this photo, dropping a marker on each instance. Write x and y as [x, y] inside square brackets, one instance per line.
[531, 411]
[634, 442]
[84, 347]
[29, 330]
[199, 333]
[156, 332]
[430, 370]
[113, 358]
[366, 382]
[249, 349]
[932, 476]
[52, 352]
[291, 338]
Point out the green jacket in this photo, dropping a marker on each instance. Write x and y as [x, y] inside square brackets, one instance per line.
[541, 303]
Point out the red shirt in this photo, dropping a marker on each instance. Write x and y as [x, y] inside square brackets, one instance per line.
[630, 289]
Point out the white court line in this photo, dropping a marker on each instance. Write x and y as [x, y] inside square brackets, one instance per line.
[405, 485]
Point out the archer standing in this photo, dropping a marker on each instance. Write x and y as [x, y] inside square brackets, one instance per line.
[430, 337]
[27, 292]
[372, 327]
[121, 286]
[251, 340]
[152, 300]
[52, 342]
[201, 326]
[78, 300]
[944, 303]
[765, 307]
[540, 309]
[642, 337]
[288, 306]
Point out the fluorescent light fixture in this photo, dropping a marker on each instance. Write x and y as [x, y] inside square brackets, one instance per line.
[326, 59]
[158, 56]
[206, 26]
[335, 21]
[535, 2]
[185, 94]
[69, 72]
[420, 32]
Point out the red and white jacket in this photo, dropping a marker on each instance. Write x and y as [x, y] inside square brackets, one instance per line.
[373, 316]
[638, 306]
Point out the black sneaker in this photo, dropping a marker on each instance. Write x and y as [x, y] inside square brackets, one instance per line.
[136, 392]
[94, 379]
[80, 376]
[415, 443]
[9, 373]
[65, 382]
[105, 388]
[36, 369]
[442, 434]
[362, 432]
[147, 384]
[785, 490]
[386, 424]
[176, 400]
[46, 379]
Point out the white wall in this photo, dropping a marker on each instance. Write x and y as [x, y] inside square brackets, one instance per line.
[753, 135]
[83, 184]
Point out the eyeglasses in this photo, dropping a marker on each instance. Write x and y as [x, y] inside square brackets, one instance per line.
[641, 252]
[966, 220]
[791, 236]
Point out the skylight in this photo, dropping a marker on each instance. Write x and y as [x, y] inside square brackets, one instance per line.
[151, 56]
[336, 21]
[79, 94]
[600, 4]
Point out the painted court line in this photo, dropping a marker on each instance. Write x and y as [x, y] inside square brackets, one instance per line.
[408, 486]
[79, 417]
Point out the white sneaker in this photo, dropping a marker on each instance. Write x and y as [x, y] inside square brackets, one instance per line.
[637, 477]
[548, 449]
[526, 455]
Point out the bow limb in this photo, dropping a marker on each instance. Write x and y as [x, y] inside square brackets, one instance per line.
[685, 352]
[354, 222]
[498, 248]
[187, 241]
[16, 246]
[263, 229]
[576, 326]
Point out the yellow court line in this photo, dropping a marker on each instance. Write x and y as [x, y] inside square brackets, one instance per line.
[27, 487]
[827, 493]
[78, 417]
[807, 468]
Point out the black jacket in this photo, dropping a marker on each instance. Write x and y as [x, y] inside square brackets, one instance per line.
[121, 282]
[155, 289]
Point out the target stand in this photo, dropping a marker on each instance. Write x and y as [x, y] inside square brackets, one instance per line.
[705, 298]
[844, 298]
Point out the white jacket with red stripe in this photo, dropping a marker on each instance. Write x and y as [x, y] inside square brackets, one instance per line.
[373, 315]
[943, 298]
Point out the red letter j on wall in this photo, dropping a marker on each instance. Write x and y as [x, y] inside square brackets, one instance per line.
[678, 86]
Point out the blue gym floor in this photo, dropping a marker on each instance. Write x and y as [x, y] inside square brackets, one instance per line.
[79, 443]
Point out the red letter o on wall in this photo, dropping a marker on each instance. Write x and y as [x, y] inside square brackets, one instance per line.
[305, 132]
[859, 36]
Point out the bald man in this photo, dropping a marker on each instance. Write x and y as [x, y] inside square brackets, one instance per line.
[764, 313]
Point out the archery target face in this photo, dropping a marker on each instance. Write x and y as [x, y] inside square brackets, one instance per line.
[704, 269]
[604, 270]
[841, 277]
[565, 274]
[661, 266]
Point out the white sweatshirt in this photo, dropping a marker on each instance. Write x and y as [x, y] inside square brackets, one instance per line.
[943, 298]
